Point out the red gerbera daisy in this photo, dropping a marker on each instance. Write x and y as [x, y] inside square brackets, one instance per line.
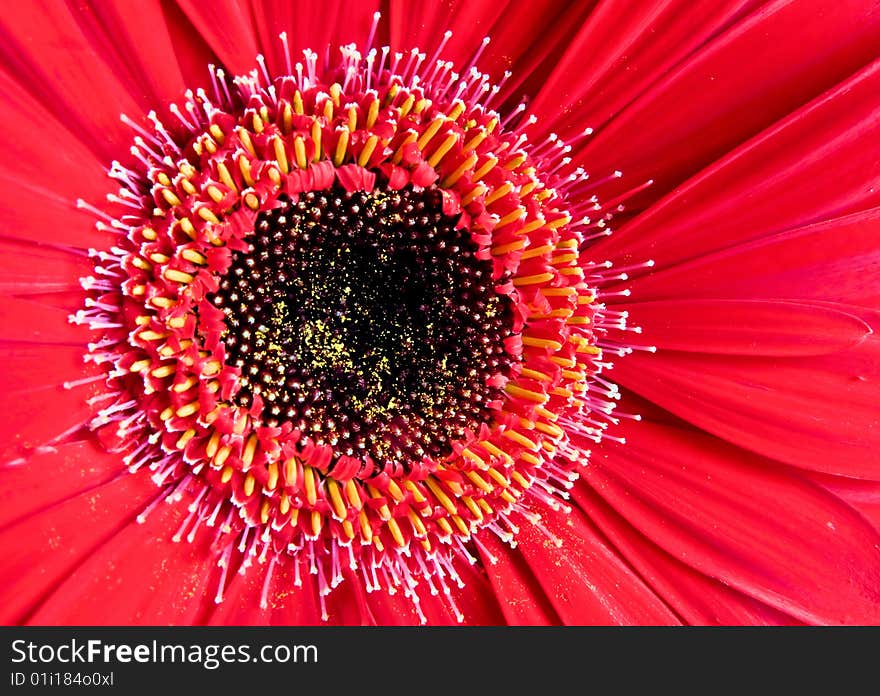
[340, 345]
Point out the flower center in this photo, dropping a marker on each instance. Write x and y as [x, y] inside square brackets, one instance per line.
[366, 320]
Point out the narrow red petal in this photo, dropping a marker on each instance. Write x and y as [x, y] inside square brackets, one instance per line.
[747, 327]
[788, 176]
[698, 599]
[817, 412]
[585, 580]
[137, 577]
[736, 85]
[729, 514]
[62, 537]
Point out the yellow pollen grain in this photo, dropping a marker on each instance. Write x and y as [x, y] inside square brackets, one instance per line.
[294, 516]
[264, 511]
[226, 474]
[520, 439]
[354, 497]
[257, 123]
[474, 142]
[186, 437]
[443, 523]
[138, 262]
[335, 91]
[309, 482]
[162, 302]
[328, 109]
[317, 521]
[280, 154]
[225, 176]
[512, 164]
[474, 457]
[185, 385]
[163, 179]
[348, 528]
[247, 456]
[469, 162]
[462, 526]
[299, 152]
[287, 119]
[417, 494]
[249, 485]
[140, 365]
[499, 192]
[396, 534]
[479, 481]
[221, 456]
[535, 374]
[170, 197]
[444, 148]
[367, 152]
[194, 256]
[177, 276]
[506, 248]
[149, 234]
[372, 113]
[535, 279]
[188, 409]
[366, 529]
[207, 215]
[513, 216]
[527, 394]
[298, 103]
[316, 140]
[486, 167]
[537, 251]
[394, 491]
[336, 501]
[251, 201]
[166, 413]
[217, 133]
[290, 472]
[284, 504]
[245, 168]
[215, 193]
[398, 154]
[341, 145]
[417, 524]
[430, 131]
[441, 496]
[549, 429]
[472, 506]
[213, 444]
[478, 190]
[541, 343]
[407, 105]
[150, 335]
[272, 477]
[176, 322]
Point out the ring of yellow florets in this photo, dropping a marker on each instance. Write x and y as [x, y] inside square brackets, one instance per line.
[207, 185]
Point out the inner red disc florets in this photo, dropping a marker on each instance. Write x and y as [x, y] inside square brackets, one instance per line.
[350, 313]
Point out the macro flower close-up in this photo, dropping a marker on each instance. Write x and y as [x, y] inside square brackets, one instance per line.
[440, 312]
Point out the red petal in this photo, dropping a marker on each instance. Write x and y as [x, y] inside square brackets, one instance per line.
[836, 259]
[138, 577]
[227, 27]
[730, 515]
[586, 581]
[817, 164]
[35, 406]
[620, 52]
[698, 599]
[519, 593]
[27, 268]
[819, 413]
[34, 322]
[52, 477]
[60, 538]
[747, 327]
[737, 84]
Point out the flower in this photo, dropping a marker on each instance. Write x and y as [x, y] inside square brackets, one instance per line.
[301, 469]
